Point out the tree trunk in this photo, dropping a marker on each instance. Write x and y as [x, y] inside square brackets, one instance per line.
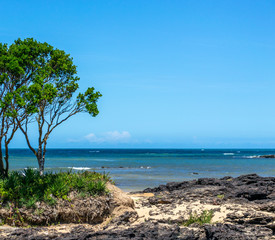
[40, 160]
[40, 164]
[41, 169]
[44, 153]
[2, 168]
[7, 158]
[39, 152]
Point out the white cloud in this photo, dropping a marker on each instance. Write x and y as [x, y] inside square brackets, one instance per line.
[92, 137]
[111, 137]
[73, 140]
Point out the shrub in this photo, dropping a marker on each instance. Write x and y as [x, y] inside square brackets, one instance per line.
[28, 187]
[220, 196]
[201, 219]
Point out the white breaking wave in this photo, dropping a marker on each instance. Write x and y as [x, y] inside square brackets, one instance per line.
[80, 168]
[102, 160]
[228, 154]
[148, 167]
[255, 156]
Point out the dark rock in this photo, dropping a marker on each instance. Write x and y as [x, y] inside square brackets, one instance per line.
[126, 217]
[268, 207]
[150, 230]
[141, 231]
[249, 187]
[155, 201]
[266, 156]
[209, 181]
[240, 232]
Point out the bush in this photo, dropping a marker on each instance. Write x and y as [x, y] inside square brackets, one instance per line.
[201, 219]
[28, 187]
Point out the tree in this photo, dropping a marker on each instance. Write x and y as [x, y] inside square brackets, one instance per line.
[46, 99]
[11, 80]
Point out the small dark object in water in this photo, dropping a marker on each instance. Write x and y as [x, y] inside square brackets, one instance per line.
[195, 173]
[267, 156]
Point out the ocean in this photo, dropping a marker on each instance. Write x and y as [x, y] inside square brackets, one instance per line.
[136, 169]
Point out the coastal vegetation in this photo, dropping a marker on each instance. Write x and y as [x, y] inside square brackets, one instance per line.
[38, 84]
[28, 198]
[26, 188]
[205, 217]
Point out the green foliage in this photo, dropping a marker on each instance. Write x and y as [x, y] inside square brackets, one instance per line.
[220, 196]
[87, 101]
[28, 187]
[46, 75]
[205, 217]
[30, 203]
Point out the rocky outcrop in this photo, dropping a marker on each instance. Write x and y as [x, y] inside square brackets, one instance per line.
[266, 156]
[122, 206]
[228, 231]
[246, 188]
[241, 208]
[147, 231]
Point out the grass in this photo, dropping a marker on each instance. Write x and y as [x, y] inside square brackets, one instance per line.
[220, 196]
[28, 187]
[205, 217]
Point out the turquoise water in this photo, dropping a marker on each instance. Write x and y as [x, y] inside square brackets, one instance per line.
[136, 169]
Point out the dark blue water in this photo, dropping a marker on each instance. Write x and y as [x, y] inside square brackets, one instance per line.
[136, 169]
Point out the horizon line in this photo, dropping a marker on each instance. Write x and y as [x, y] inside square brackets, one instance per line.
[158, 148]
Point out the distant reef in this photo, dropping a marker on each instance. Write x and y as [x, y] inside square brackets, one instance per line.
[240, 208]
[266, 156]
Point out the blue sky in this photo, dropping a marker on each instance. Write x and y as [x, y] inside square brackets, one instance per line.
[177, 74]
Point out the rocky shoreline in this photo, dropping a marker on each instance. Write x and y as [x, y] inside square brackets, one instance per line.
[266, 156]
[242, 208]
